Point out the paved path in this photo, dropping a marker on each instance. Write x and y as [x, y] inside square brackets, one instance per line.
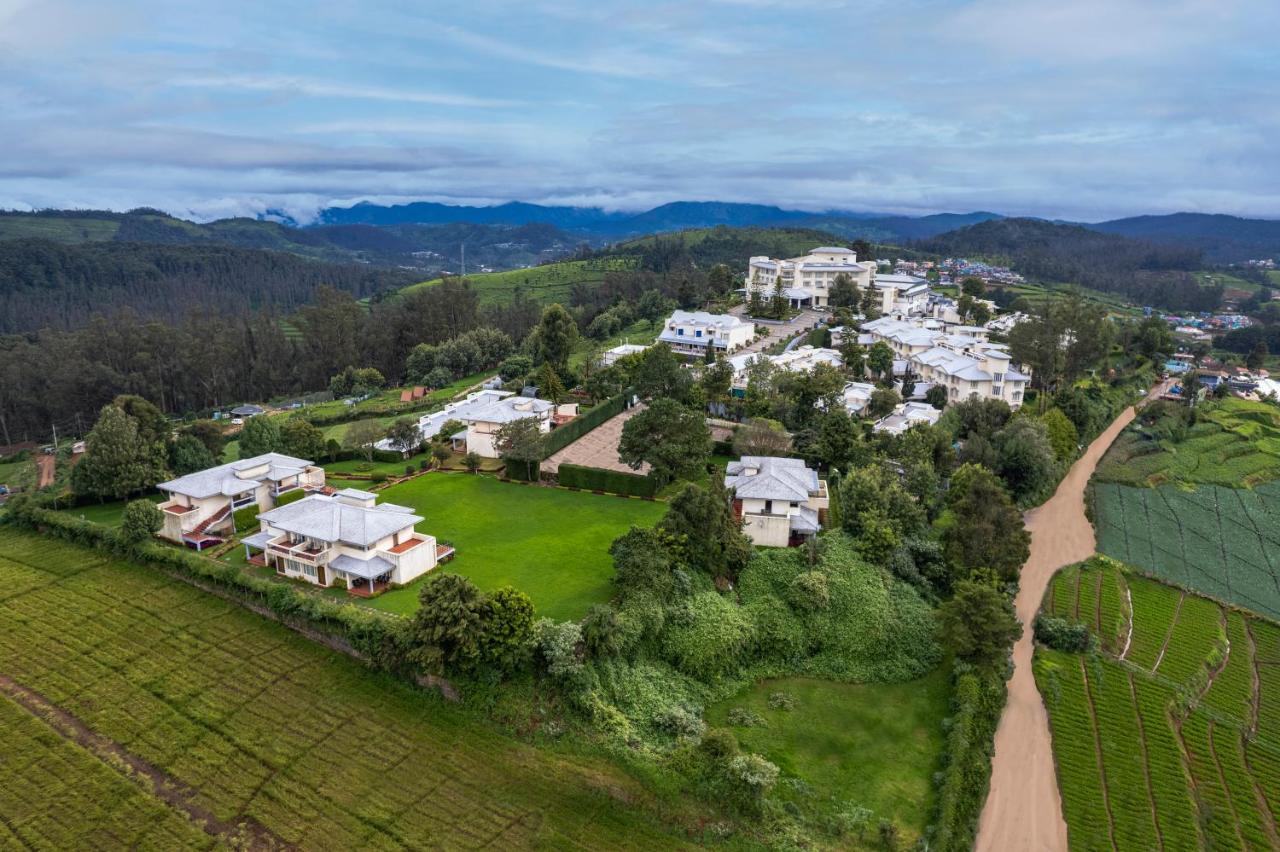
[1024, 809]
[803, 321]
[598, 448]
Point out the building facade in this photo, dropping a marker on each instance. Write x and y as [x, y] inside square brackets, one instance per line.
[807, 281]
[779, 501]
[691, 332]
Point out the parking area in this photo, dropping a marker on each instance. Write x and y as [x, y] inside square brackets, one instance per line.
[598, 448]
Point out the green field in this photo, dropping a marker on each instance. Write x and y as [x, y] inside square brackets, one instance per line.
[548, 283]
[850, 745]
[1233, 443]
[108, 514]
[259, 724]
[1171, 737]
[552, 544]
[17, 474]
[63, 230]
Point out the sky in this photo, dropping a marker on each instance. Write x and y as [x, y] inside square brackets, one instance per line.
[1078, 109]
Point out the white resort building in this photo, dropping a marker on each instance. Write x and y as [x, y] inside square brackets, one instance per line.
[345, 537]
[691, 332]
[807, 281]
[802, 359]
[199, 507]
[482, 412]
[906, 415]
[779, 501]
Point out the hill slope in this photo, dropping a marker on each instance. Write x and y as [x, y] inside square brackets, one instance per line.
[1223, 239]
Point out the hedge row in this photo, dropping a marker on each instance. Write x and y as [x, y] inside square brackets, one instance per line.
[976, 704]
[562, 436]
[382, 639]
[246, 518]
[612, 481]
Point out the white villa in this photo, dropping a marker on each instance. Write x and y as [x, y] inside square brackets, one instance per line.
[199, 507]
[807, 281]
[483, 412]
[779, 501]
[902, 294]
[691, 332]
[802, 359]
[856, 396]
[345, 536]
[622, 350]
[966, 364]
[905, 416]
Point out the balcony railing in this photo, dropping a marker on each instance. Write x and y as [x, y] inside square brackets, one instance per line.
[300, 551]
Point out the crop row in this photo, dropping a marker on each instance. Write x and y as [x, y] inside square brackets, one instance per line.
[1231, 693]
[1154, 608]
[1126, 770]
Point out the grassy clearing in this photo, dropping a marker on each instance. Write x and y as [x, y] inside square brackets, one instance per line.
[18, 474]
[548, 283]
[68, 230]
[108, 514]
[1233, 443]
[1160, 746]
[550, 543]
[264, 724]
[869, 745]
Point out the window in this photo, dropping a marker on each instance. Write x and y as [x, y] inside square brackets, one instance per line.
[698, 333]
[309, 570]
[680, 332]
[768, 507]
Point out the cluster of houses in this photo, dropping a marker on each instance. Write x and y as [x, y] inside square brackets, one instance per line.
[322, 536]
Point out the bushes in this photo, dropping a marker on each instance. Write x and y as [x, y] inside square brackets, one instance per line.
[1062, 635]
[611, 481]
[976, 703]
[246, 519]
[562, 436]
[707, 638]
[286, 498]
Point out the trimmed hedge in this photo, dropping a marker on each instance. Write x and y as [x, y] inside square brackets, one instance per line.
[290, 497]
[612, 481]
[562, 436]
[977, 700]
[246, 518]
[523, 471]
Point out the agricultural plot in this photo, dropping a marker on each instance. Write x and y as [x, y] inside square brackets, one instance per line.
[264, 728]
[551, 282]
[1173, 742]
[1221, 542]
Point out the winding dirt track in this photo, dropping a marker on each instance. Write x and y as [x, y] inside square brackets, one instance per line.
[1023, 809]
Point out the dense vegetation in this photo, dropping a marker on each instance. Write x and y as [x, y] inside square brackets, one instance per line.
[1145, 273]
[1167, 737]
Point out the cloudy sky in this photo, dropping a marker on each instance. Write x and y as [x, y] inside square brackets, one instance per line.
[1067, 108]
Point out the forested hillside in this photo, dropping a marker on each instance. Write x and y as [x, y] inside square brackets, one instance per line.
[48, 284]
[1145, 273]
[1223, 239]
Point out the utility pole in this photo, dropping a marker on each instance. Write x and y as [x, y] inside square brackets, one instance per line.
[5, 427]
[464, 260]
[55, 436]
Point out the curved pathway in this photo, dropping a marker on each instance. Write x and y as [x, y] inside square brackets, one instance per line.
[1023, 809]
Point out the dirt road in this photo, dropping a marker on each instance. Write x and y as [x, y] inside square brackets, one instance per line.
[1023, 809]
[45, 469]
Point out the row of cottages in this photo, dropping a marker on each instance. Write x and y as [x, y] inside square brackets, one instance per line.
[779, 501]
[961, 359]
[802, 359]
[198, 507]
[344, 539]
[691, 332]
[806, 282]
[483, 413]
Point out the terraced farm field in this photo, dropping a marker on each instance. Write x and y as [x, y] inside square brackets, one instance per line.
[138, 712]
[1223, 542]
[1169, 738]
[550, 283]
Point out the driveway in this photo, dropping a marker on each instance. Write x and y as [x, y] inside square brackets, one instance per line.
[598, 448]
[803, 321]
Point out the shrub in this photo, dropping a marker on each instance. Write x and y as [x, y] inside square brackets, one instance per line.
[680, 722]
[718, 744]
[782, 701]
[559, 645]
[741, 717]
[752, 777]
[377, 477]
[247, 518]
[1062, 635]
[562, 436]
[809, 592]
[707, 638]
[338, 583]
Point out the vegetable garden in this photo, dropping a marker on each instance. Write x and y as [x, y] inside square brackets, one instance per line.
[1170, 737]
[261, 724]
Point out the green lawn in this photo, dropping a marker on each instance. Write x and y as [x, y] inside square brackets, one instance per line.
[15, 473]
[552, 544]
[869, 745]
[360, 467]
[548, 283]
[108, 514]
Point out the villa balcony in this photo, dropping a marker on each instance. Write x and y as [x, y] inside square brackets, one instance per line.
[301, 552]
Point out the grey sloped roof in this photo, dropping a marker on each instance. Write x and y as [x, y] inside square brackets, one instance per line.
[776, 479]
[370, 568]
[327, 519]
[805, 520]
[506, 410]
[223, 480]
[258, 539]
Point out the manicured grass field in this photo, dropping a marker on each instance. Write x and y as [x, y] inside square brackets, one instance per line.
[869, 745]
[550, 543]
[108, 514]
[1170, 740]
[260, 724]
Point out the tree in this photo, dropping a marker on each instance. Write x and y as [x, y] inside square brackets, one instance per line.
[519, 442]
[704, 532]
[1062, 433]
[978, 624]
[117, 461]
[777, 308]
[659, 374]
[260, 435]
[515, 367]
[870, 303]
[876, 492]
[472, 461]
[880, 359]
[445, 631]
[844, 292]
[556, 336]
[421, 361]
[1257, 358]
[209, 433]
[760, 436]
[673, 440]
[1153, 338]
[153, 426]
[882, 402]
[302, 439]
[362, 435]
[836, 443]
[1024, 457]
[642, 563]
[653, 306]
[720, 279]
[936, 396]
[404, 434]
[549, 385]
[982, 528]
[717, 381]
[141, 520]
[973, 287]
[503, 643]
[356, 382]
[187, 455]
[853, 355]
[980, 314]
